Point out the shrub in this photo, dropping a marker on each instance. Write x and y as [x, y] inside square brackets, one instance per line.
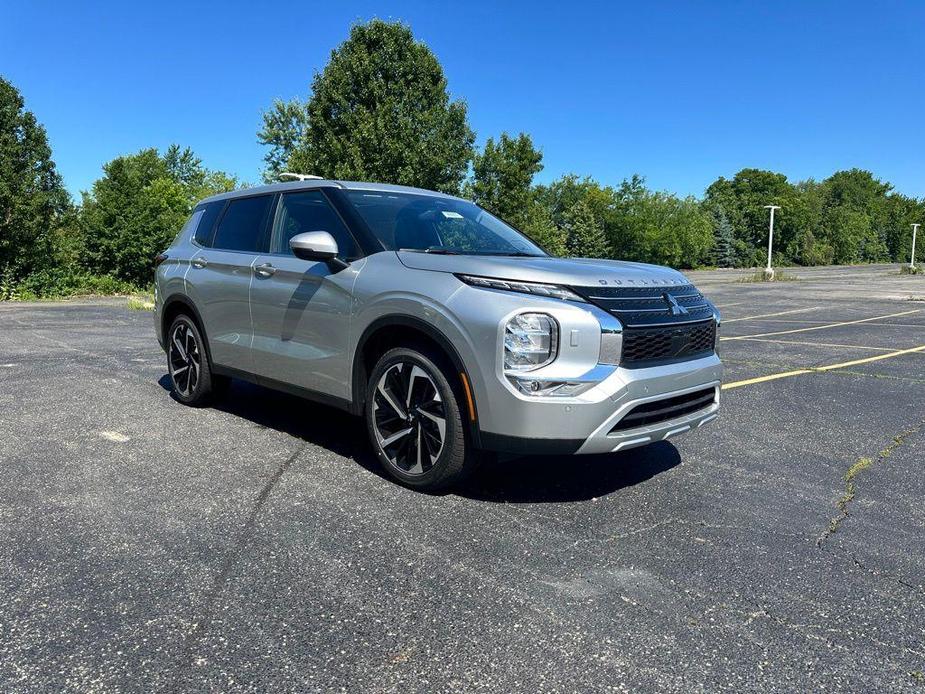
[51, 283]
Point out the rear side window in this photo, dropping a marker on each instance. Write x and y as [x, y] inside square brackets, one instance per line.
[191, 224]
[210, 213]
[310, 211]
[241, 227]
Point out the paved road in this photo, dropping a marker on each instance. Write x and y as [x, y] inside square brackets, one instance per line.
[145, 546]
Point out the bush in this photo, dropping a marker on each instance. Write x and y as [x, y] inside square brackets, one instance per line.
[53, 283]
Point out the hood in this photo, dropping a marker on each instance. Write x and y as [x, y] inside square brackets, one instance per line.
[576, 272]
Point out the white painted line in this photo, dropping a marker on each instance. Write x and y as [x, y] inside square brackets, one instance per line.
[820, 344]
[771, 315]
[821, 327]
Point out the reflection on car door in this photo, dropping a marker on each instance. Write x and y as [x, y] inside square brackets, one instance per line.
[301, 308]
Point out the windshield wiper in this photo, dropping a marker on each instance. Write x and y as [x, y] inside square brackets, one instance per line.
[435, 250]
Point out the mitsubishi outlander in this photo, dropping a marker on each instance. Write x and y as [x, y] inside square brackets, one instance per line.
[451, 332]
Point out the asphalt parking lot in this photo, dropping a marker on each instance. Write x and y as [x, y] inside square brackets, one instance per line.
[148, 546]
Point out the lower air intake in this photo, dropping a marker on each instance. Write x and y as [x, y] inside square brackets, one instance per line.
[659, 411]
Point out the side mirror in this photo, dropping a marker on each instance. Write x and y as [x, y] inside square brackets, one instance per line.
[314, 245]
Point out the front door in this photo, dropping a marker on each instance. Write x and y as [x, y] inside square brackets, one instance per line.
[301, 309]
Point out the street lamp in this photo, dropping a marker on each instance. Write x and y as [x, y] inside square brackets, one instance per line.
[768, 272]
[915, 228]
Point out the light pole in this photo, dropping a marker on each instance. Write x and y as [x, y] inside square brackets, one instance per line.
[915, 228]
[768, 272]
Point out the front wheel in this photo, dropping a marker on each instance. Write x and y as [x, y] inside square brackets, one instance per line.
[415, 422]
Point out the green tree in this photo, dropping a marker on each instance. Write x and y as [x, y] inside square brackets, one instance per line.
[856, 216]
[743, 198]
[585, 235]
[901, 213]
[724, 254]
[379, 111]
[503, 175]
[561, 195]
[33, 200]
[807, 249]
[137, 208]
[284, 127]
[539, 225]
[657, 227]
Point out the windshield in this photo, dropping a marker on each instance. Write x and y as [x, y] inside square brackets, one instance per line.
[430, 224]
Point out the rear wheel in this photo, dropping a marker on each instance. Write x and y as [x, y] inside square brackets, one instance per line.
[188, 364]
[415, 423]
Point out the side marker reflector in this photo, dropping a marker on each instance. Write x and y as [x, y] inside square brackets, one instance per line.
[468, 391]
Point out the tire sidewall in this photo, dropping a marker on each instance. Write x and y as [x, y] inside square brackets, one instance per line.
[450, 463]
[204, 386]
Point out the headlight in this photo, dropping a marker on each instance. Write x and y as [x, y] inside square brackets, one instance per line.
[530, 341]
[551, 290]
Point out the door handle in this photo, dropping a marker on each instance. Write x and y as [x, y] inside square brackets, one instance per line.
[265, 270]
[199, 262]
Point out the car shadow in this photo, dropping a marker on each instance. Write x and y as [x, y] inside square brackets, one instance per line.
[529, 479]
[556, 479]
[324, 426]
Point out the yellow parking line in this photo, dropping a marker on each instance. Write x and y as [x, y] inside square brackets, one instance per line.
[816, 369]
[821, 327]
[819, 344]
[771, 315]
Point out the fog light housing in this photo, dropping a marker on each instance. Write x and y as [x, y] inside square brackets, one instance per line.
[531, 341]
[558, 389]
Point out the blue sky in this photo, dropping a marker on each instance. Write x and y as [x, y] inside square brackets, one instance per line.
[679, 92]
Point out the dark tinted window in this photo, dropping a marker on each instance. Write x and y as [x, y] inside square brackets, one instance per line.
[210, 213]
[242, 224]
[310, 211]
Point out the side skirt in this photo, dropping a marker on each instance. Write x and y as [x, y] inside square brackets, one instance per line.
[314, 396]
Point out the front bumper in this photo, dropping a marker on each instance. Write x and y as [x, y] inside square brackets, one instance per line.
[586, 424]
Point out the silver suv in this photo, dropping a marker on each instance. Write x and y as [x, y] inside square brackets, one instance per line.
[450, 331]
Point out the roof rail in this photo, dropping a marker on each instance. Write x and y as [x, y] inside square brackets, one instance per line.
[289, 176]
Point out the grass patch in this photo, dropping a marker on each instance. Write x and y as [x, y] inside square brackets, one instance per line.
[860, 466]
[906, 270]
[142, 302]
[759, 276]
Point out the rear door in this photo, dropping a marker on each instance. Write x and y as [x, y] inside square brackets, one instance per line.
[220, 276]
[301, 308]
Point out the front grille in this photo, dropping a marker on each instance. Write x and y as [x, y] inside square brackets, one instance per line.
[645, 346]
[650, 306]
[659, 323]
[659, 411]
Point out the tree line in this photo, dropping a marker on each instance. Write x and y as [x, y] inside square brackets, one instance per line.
[380, 111]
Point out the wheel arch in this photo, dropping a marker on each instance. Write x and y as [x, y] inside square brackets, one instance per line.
[173, 307]
[400, 330]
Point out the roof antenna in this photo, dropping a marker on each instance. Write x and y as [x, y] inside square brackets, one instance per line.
[289, 176]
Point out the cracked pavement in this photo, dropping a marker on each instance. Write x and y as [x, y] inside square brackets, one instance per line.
[145, 546]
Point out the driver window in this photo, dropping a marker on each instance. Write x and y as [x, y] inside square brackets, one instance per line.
[309, 210]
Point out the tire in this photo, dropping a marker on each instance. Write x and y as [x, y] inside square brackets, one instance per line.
[410, 404]
[191, 377]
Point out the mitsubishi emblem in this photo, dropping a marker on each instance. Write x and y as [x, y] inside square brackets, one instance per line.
[674, 307]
